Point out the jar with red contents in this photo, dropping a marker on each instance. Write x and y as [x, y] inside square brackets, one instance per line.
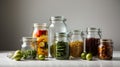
[40, 32]
[92, 40]
[105, 49]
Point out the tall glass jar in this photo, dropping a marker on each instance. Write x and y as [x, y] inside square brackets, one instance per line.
[105, 49]
[57, 25]
[62, 46]
[40, 32]
[92, 40]
[76, 44]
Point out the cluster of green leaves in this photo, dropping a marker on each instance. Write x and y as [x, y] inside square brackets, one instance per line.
[26, 54]
[29, 54]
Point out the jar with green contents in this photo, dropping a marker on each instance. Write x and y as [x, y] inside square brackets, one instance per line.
[62, 46]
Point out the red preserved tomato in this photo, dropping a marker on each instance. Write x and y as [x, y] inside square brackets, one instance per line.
[41, 32]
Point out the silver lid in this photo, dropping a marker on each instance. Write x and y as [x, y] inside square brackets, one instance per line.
[57, 18]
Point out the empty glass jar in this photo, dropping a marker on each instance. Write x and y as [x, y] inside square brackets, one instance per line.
[29, 43]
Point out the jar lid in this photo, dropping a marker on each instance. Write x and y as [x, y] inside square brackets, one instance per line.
[105, 40]
[76, 32]
[40, 25]
[92, 29]
[28, 39]
[57, 18]
[61, 34]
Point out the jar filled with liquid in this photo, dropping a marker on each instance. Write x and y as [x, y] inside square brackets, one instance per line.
[40, 32]
[76, 44]
[57, 25]
[62, 46]
[105, 49]
[92, 40]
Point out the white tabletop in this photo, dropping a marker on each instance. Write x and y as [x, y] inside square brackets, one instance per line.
[6, 62]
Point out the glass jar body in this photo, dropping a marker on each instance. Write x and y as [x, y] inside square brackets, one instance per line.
[62, 47]
[57, 25]
[41, 33]
[29, 48]
[92, 41]
[105, 49]
[76, 44]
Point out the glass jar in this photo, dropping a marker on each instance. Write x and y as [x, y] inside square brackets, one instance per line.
[62, 46]
[92, 40]
[105, 49]
[41, 33]
[29, 43]
[76, 44]
[29, 47]
[57, 25]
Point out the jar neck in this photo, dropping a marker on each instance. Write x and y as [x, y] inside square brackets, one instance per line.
[60, 21]
[93, 34]
[61, 39]
[75, 37]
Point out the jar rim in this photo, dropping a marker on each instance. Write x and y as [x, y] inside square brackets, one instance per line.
[105, 40]
[28, 39]
[40, 25]
[92, 29]
[57, 18]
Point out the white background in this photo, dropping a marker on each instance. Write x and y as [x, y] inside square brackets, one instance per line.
[17, 18]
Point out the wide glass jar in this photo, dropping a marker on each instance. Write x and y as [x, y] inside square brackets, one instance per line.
[105, 49]
[62, 46]
[76, 44]
[29, 43]
[28, 47]
[57, 25]
[41, 33]
[92, 40]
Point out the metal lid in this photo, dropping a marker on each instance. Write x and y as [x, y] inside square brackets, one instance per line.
[57, 18]
[28, 39]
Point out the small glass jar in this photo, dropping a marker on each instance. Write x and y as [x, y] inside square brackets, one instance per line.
[41, 33]
[76, 44]
[62, 46]
[29, 43]
[105, 49]
[92, 40]
[57, 25]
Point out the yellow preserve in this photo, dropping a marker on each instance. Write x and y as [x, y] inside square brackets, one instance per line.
[40, 32]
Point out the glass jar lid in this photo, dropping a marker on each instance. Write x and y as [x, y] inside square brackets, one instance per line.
[40, 25]
[92, 29]
[106, 40]
[57, 18]
[61, 35]
[25, 39]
